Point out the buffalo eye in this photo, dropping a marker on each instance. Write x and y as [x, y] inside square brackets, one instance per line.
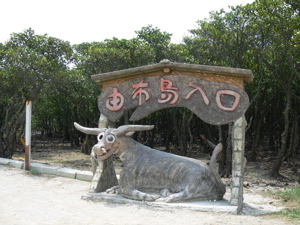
[110, 138]
[100, 136]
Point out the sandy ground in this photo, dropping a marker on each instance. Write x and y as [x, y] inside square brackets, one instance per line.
[29, 199]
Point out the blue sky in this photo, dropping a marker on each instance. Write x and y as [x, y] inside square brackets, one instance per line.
[80, 21]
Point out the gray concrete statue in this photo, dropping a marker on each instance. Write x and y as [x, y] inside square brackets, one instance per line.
[153, 175]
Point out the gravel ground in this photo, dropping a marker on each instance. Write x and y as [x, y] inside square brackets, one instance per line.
[46, 199]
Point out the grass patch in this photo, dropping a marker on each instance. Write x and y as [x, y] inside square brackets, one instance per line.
[292, 194]
[290, 198]
[291, 213]
[34, 171]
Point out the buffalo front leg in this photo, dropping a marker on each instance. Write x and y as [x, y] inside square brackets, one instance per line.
[113, 190]
[94, 162]
[173, 197]
[105, 176]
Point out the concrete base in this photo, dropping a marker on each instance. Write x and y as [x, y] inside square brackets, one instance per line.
[203, 206]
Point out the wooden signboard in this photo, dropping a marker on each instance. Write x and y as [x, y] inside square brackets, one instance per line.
[215, 94]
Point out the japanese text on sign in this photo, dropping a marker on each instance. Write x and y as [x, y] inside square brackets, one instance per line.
[168, 95]
[211, 101]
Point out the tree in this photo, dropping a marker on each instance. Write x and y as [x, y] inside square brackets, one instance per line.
[157, 39]
[28, 63]
[281, 56]
[110, 55]
[262, 36]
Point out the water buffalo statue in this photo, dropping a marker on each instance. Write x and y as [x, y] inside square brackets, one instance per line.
[153, 175]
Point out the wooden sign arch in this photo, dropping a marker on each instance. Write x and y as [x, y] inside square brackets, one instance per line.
[215, 94]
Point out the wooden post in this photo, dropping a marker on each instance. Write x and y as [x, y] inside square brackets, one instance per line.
[28, 135]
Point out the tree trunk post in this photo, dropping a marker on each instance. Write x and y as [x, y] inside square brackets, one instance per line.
[284, 137]
[104, 173]
[238, 163]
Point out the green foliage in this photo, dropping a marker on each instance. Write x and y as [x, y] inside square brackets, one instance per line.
[292, 194]
[290, 198]
[29, 61]
[157, 39]
[110, 55]
[264, 37]
[291, 213]
[179, 53]
[29, 64]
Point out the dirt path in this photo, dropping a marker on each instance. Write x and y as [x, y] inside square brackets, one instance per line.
[28, 199]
